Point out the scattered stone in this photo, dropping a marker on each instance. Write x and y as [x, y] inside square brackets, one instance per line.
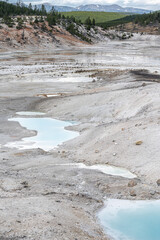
[158, 182]
[132, 193]
[93, 81]
[123, 129]
[48, 193]
[25, 184]
[138, 125]
[152, 192]
[114, 154]
[144, 84]
[96, 151]
[132, 183]
[139, 143]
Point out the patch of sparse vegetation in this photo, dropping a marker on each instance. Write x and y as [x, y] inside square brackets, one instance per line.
[74, 31]
[20, 24]
[8, 21]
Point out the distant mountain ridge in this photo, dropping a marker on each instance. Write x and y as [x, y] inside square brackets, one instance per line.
[91, 7]
[110, 8]
[97, 8]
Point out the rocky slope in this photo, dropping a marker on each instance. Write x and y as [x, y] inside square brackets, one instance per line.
[42, 35]
[35, 35]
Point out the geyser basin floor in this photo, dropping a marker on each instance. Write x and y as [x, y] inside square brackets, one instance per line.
[50, 133]
[131, 220]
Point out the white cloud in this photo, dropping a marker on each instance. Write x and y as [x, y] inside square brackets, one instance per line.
[126, 2]
[145, 3]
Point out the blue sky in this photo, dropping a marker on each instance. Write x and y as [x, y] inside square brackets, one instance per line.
[146, 4]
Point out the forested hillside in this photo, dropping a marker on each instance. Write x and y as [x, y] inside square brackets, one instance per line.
[146, 19]
[143, 20]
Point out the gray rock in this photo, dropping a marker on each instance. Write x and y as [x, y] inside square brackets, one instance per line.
[158, 182]
[152, 192]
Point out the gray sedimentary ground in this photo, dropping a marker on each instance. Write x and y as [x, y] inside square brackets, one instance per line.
[112, 91]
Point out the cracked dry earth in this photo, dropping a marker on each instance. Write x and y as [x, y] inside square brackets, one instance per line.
[112, 91]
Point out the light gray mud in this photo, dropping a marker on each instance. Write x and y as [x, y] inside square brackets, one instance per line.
[117, 108]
